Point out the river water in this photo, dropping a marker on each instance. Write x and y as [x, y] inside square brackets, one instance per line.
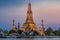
[29, 38]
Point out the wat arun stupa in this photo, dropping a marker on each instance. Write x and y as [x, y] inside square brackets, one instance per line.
[29, 24]
[29, 20]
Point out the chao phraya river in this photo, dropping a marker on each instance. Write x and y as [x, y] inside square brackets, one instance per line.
[29, 38]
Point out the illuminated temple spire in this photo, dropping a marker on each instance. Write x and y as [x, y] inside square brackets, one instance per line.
[29, 20]
[29, 14]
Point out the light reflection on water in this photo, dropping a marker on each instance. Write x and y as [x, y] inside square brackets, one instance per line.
[29, 38]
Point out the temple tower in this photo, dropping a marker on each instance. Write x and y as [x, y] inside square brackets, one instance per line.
[13, 25]
[42, 28]
[29, 20]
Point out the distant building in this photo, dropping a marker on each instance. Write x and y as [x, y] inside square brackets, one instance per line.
[1, 33]
[14, 26]
[13, 34]
[5, 32]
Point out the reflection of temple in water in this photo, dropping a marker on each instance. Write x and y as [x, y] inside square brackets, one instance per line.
[29, 24]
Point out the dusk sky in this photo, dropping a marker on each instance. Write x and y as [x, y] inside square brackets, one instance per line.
[48, 10]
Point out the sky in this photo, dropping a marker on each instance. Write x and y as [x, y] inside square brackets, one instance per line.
[48, 10]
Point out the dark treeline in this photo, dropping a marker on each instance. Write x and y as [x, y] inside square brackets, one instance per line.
[49, 32]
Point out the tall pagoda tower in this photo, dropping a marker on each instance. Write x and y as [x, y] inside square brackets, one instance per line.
[42, 33]
[29, 20]
[13, 25]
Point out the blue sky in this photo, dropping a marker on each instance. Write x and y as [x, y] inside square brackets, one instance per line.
[48, 10]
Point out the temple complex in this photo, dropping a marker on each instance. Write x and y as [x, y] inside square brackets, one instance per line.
[29, 24]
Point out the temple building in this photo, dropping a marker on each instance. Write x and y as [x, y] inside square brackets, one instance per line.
[29, 24]
[42, 33]
[14, 26]
[29, 20]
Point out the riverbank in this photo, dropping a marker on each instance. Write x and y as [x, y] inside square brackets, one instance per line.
[31, 37]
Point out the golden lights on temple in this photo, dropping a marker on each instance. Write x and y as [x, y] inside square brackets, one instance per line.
[29, 23]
